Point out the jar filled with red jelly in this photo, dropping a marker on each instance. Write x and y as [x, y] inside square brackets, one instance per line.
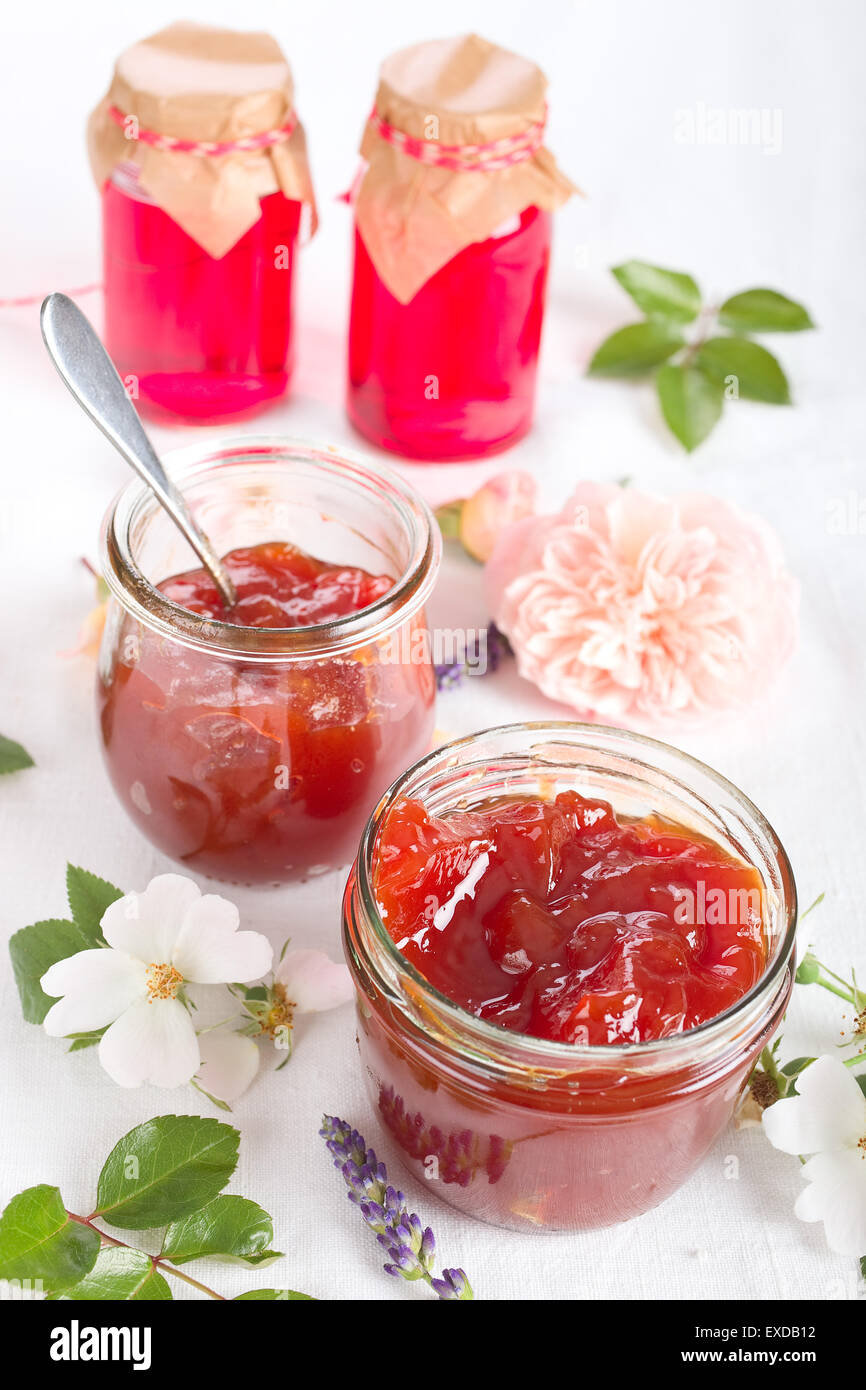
[569, 945]
[251, 744]
[202, 170]
[452, 243]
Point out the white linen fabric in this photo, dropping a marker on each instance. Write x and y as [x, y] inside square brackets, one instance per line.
[633, 91]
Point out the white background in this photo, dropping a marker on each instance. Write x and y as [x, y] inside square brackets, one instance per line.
[620, 72]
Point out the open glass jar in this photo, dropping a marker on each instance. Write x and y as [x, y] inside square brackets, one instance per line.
[255, 754]
[522, 1131]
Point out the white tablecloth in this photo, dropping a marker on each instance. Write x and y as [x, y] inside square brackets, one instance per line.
[737, 215]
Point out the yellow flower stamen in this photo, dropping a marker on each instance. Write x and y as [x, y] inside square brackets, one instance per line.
[163, 981]
[280, 1016]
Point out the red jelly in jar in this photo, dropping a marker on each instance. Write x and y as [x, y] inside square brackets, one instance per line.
[559, 1001]
[199, 337]
[251, 743]
[201, 164]
[452, 245]
[475, 327]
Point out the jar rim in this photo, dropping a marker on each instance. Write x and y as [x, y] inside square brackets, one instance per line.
[492, 1039]
[131, 587]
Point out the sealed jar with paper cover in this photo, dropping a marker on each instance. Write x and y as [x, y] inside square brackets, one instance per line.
[452, 241]
[201, 163]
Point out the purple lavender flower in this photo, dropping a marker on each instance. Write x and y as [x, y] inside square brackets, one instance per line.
[409, 1245]
[495, 648]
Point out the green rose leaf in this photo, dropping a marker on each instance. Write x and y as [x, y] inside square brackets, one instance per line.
[764, 311]
[80, 1041]
[691, 402]
[758, 374]
[229, 1227]
[270, 1295]
[861, 1082]
[12, 756]
[39, 1241]
[165, 1169]
[636, 348]
[667, 294]
[121, 1276]
[33, 950]
[89, 897]
[797, 1065]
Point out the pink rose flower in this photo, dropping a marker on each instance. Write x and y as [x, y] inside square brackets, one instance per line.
[633, 607]
[503, 499]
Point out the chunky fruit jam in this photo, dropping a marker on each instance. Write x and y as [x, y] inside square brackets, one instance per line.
[278, 585]
[451, 374]
[553, 918]
[259, 771]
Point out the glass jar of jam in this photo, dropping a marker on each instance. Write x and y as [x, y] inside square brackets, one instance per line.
[602, 1035]
[251, 746]
[452, 243]
[201, 165]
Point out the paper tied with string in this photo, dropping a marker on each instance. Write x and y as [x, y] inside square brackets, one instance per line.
[207, 117]
[453, 150]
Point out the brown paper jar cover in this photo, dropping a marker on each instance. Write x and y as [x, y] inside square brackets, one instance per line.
[414, 217]
[198, 83]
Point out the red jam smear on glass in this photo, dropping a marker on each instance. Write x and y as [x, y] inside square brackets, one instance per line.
[451, 374]
[204, 338]
[554, 919]
[261, 771]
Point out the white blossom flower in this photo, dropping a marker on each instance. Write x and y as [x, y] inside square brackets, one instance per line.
[229, 1062]
[827, 1119]
[158, 941]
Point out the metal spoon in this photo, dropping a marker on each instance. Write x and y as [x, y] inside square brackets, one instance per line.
[92, 378]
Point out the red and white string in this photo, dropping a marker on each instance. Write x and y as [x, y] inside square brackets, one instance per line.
[495, 154]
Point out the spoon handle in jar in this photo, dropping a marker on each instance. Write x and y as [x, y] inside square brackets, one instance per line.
[92, 377]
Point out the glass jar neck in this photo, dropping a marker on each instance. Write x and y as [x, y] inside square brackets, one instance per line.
[255, 490]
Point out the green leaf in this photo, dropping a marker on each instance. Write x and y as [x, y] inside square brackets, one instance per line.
[667, 294]
[33, 950]
[84, 1040]
[38, 1240]
[758, 374]
[764, 311]
[863, 1267]
[269, 1295]
[12, 756]
[121, 1276]
[635, 349]
[691, 402]
[89, 897]
[231, 1227]
[799, 1064]
[166, 1168]
[861, 1082]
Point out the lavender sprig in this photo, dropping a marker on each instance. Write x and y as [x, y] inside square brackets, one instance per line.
[409, 1245]
[495, 648]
